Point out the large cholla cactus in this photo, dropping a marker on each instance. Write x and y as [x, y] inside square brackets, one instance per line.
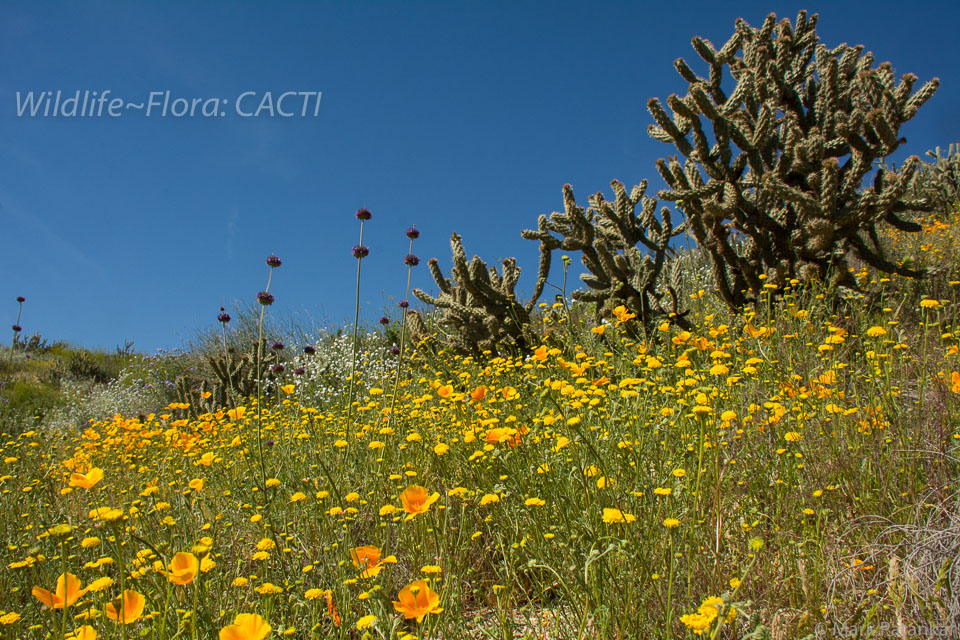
[777, 193]
[479, 305]
[607, 235]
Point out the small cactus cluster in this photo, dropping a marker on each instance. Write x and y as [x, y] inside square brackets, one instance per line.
[478, 305]
[776, 194]
[624, 250]
[235, 378]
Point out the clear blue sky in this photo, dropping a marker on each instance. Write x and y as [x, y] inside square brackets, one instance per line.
[447, 115]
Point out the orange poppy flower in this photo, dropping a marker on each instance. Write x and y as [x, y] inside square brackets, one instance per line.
[416, 600]
[68, 591]
[127, 608]
[183, 568]
[478, 394]
[87, 480]
[367, 559]
[86, 632]
[246, 626]
[416, 500]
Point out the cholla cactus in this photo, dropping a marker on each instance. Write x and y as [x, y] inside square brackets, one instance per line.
[939, 181]
[235, 380]
[776, 193]
[479, 305]
[237, 374]
[199, 395]
[611, 237]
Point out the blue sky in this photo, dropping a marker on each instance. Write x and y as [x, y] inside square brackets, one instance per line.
[446, 115]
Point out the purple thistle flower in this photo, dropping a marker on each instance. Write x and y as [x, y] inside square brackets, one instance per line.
[360, 252]
[265, 298]
[17, 328]
[384, 320]
[395, 350]
[274, 261]
[403, 304]
[278, 368]
[299, 371]
[276, 346]
[413, 233]
[411, 260]
[21, 299]
[363, 214]
[309, 350]
[224, 317]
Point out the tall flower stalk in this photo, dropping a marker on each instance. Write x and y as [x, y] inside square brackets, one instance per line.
[359, 252]
[265, 298]
[16, 327]
[223, 319]
[411, 261]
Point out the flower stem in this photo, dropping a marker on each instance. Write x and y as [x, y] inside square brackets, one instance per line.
[356, 329]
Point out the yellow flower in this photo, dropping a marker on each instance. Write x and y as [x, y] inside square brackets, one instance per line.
[876, 332]
[671, 523]
[535, 502]
[196, 484]
[679, 473]
[246, 626]
[417, 600]
[430, 569]
[365, 622]
[441, 449]
[288, 389]
[11, 618]
[416, 500]
[127, 608]
[616, 516]
[88, 480]
[298, 496]
[489, 498]
[930, 304]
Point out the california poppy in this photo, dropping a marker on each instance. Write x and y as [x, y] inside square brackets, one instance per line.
[367, 559]
[68, 591]
[416, 600]
[183, 568]
[87, 480]
[127, 608]
[246, 626]
[416, 500]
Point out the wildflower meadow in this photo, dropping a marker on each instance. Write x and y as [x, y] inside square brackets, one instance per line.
[777, 460]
